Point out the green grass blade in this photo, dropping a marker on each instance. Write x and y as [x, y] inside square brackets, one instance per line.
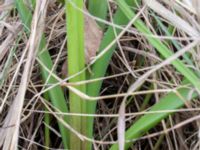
[100, 66]
[4, 72]
[76, 63]
[46, 129]
[55, 94]
[161, 48]
[99, 9]
[169, 102]
[175, 43]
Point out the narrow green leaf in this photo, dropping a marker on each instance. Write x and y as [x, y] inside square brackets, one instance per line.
[161, 48]
[76, 63]
[100, 66]
[55, 94]
[99, 9]
[171, 101]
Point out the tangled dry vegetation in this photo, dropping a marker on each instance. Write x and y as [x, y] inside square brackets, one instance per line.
[139, 75]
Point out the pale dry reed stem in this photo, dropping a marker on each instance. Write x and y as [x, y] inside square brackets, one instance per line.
[10, 139]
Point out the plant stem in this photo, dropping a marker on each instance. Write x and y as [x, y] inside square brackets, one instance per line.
[56, 94]
[76, 62]
[100, 66]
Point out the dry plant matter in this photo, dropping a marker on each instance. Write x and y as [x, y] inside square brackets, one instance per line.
[103, 75]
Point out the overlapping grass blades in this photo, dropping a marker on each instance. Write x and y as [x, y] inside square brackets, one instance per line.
[76, 63]
[100, 66]
[160, 47]
[172, 100]
[55, 94]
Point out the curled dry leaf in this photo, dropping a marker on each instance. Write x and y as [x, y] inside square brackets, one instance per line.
[93, 35]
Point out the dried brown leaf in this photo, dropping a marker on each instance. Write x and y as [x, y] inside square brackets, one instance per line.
[93, 35]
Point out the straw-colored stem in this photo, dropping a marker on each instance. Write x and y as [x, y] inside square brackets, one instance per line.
[55, 94]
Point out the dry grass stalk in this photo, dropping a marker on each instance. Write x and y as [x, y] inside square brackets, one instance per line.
[134, 46]
[8, 42]
[172, 18]
[12, 120]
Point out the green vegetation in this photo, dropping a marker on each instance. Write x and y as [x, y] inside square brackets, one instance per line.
[55, 93]
[128, 29]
